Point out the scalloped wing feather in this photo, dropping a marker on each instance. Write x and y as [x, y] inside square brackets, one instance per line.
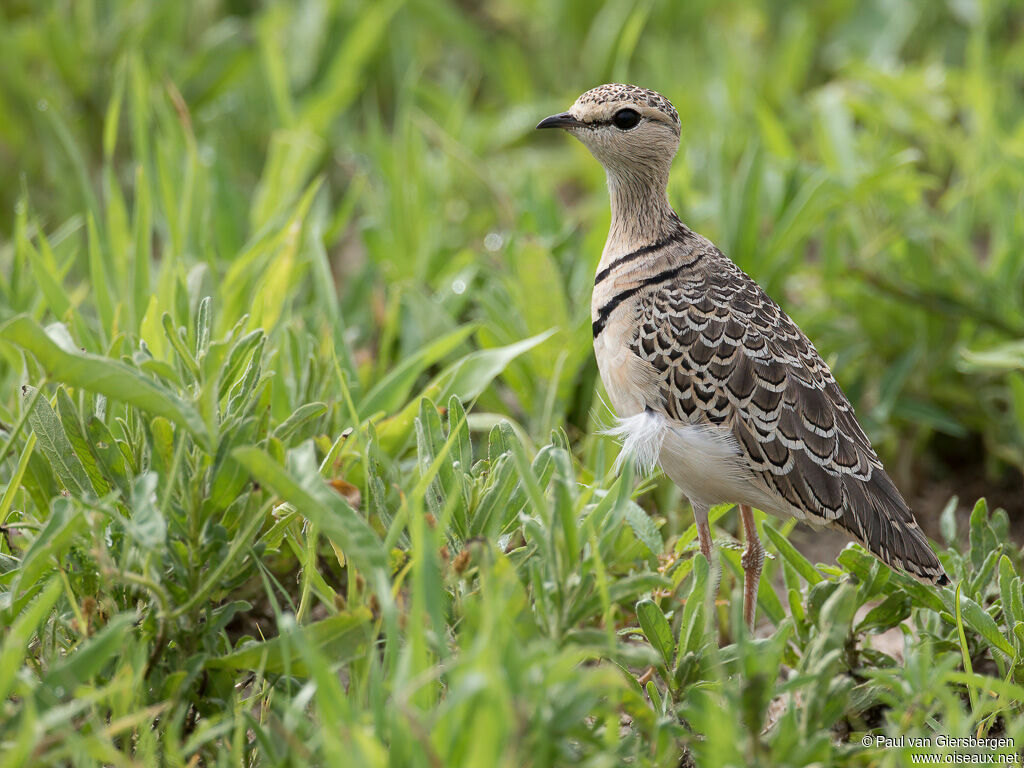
[724, 356]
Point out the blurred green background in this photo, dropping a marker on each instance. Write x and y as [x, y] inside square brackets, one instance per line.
[864, 161]
[256, 234]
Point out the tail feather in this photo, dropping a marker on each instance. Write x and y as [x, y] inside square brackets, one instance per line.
[878, 517]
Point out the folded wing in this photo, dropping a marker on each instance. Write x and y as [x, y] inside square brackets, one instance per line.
[727, 355]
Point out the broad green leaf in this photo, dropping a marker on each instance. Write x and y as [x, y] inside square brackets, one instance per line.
[18, 634]
[240, 356]
[85, 661]
[923, 596]
[655, 696]
[230, 477]
[981, 537]
[985, 625]
[890, 612]
[628, 587]
[108, 455]
[643, 527]
[1010, 593]
[466, 378]
[341, 638]
[54, 443]
[147, 524]
[315, 500]
[302, 415]
[174, 335]
[500, 440]
[980, 581]
[494, 510]
[334, 706]
[691, 630]
[103, 375]
[430, 442]
[162, 446]
[656, 628]
[769, 601]
[840, 607]
[947, 522]
[14, 481]
[50, 543]
[458, 426]
[72, 424]
[793, 557]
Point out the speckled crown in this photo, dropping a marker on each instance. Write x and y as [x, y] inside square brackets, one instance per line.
[612, 92]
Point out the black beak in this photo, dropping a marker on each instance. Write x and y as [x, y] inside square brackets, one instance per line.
[564, 120]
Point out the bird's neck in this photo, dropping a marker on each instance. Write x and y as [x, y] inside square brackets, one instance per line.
[641, 213]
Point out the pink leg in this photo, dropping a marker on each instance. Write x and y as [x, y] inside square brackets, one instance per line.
[700, 517]
[752, 561]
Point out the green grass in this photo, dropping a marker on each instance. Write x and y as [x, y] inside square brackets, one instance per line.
[299, 451]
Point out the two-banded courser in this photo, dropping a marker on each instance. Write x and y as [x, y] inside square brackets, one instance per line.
[709, 377]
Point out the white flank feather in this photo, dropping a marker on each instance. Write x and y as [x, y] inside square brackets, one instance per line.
[643, 436]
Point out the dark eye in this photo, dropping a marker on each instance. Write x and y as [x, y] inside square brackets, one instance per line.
[625, 119]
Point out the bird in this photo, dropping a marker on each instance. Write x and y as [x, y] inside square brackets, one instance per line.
[709, 378]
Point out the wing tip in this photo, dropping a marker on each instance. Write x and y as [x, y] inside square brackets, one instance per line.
[933, 573]
[900, 544]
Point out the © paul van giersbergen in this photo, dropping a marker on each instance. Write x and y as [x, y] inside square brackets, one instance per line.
[709, 378]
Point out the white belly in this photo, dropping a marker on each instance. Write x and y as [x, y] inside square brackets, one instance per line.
[703, 461]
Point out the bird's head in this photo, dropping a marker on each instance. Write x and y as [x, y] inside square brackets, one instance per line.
[632, 131]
